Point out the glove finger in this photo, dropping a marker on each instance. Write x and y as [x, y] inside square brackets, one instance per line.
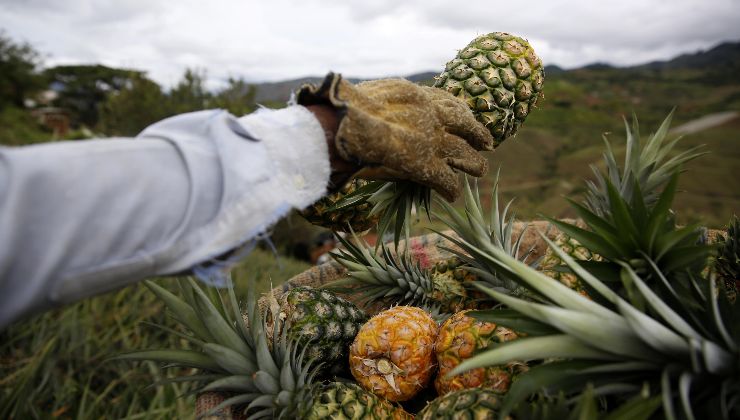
[459, 120]
[442, 179]
[460, 155]
[379, 173]
[463, 124]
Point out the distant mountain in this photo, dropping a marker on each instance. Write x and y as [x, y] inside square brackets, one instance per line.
[723, 56]
[719, 64]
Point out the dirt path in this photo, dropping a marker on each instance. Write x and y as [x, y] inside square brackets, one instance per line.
[705, 122]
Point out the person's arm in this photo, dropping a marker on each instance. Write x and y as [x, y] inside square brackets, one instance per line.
[82, 218]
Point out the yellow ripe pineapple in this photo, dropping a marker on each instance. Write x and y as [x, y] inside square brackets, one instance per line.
[393, 354]
[459, 338]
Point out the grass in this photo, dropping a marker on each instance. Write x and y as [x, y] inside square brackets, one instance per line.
[55, 365]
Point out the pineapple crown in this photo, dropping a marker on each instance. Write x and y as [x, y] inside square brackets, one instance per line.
[476, 231]
[636, 235]
[686, 347]
[647, 166]
[392, 201]
[270, 379]
[384, 275]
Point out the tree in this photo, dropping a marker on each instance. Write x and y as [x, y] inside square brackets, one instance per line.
[133, 108]
[83, 89]
[237, 97]
[190, 93]
[19, 77]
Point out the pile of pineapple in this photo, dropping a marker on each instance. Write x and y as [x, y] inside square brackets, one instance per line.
[627, 315]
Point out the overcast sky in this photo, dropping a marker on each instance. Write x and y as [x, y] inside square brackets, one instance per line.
[282, 39]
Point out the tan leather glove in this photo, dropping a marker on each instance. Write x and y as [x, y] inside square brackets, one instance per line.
[399, 130]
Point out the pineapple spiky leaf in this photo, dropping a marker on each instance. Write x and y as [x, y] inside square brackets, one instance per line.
[632, 233]
[645, 166]
[268, 373]
[477, 231]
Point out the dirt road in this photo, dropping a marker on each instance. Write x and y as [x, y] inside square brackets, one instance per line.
[707, 121]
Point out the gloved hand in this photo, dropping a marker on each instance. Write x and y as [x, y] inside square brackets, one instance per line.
[396, 129]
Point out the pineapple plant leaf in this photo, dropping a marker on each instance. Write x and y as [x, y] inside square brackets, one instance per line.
[475, 230]
[267, 375]
[647, 168]
[692, 360]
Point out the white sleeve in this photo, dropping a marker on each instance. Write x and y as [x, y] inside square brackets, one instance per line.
[85, 217]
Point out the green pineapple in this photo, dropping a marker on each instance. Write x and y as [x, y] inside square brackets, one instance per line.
[500, 77]
[727, 262]
[474, 403]
[265, 380]
[322, 322]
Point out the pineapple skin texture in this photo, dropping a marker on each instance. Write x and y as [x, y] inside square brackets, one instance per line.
[349, 401]
[403, 335]
[460, 337]
[324, 322]
[451, 282]
[357, 217]
[551, 262]
[500, 77]
[482, 404]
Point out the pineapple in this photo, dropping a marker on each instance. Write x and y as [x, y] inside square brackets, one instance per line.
[500, 77]
[459, 338]
[393, 354]
[322, 322]
[482, 404]
[264, 381]
[336, 213]
[552, 266]
[727, 262]
[452, 281]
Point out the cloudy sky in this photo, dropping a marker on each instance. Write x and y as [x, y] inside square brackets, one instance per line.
[282, 39]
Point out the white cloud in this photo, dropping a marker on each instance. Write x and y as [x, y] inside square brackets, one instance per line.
[279, 39]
